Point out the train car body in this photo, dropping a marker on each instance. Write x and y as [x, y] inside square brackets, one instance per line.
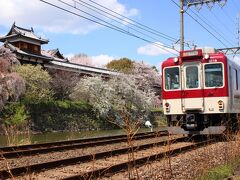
[201, 92]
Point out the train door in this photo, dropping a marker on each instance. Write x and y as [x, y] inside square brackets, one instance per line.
[192, 87]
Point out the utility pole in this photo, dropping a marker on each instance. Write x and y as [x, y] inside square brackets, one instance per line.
[181, 26]
[198, 4]
[238, 30]
[210, 3]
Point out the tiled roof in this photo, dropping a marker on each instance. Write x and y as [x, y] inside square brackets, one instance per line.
[52, 58]
[29, 33]
[56, 53]
[17, 50]
[52, 55]
[82, 68]
[54, 62]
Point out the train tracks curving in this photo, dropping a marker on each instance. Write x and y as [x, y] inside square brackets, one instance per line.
[112, 160]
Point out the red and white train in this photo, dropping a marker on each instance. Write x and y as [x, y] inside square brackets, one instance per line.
[201, 92]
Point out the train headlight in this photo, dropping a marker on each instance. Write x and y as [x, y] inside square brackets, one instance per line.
[175, 59]
[220, 105]
[167, 107]
[206, 56]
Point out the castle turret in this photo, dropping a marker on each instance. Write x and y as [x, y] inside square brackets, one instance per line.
[24, 39]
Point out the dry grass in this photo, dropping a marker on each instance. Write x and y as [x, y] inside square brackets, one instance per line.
[191, 165]
[6, 164]
[13, 133]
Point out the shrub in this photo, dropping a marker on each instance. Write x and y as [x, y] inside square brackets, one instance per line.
[14, 114]
[64, 116]
[37, 82]
[14, 121]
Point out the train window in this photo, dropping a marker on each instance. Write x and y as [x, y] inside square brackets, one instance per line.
[192, 77]
[213, 75]
[172, 78]
[236, 79]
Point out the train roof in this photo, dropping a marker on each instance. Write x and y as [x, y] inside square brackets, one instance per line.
[194, 54]
[234, 59]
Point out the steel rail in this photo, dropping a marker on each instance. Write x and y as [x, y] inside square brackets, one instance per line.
[45, 149]
[65, 142]
[81, 159]
[110, 170]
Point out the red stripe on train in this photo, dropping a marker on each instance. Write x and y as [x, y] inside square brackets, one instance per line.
[199, 93]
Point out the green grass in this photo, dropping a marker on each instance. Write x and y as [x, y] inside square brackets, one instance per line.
[160, 109]
[161, 121]
[222, 171]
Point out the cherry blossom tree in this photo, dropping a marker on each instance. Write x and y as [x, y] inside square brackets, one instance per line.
[146, 74]
[82, 59]
[120, 100]
[63, 82]
[12, 86]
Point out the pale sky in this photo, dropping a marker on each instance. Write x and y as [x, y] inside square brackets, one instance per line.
[73, 34]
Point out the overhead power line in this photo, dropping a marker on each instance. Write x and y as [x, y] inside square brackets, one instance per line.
[121, 21]
[217, 26]
[212, 27]
[72, 6]
[108, 25]
[202, 26]
[133, 22]
[111, 15]
[221, 22]
[228, 16]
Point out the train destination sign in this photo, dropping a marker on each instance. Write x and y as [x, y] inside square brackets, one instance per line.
[192, 53]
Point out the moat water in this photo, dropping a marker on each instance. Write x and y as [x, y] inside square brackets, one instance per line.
[58, 136]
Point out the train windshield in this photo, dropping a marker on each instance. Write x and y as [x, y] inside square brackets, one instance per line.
[192, 77]
[172, 78]
[213, 75]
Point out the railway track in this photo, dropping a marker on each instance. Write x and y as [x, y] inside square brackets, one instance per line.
[99, 156]
[112, 169]
[26, 150]
[18, 152]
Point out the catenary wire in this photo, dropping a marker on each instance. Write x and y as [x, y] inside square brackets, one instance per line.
[201, 25]
[109, 25]
[137, 24]
[125, 19]
[217, 26]
[118, 21]
[133, 21]
[101, 19]
[226, 13]
[209, 25]
[221, 22]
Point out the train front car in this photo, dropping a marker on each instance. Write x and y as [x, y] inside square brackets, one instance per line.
[198, 94]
